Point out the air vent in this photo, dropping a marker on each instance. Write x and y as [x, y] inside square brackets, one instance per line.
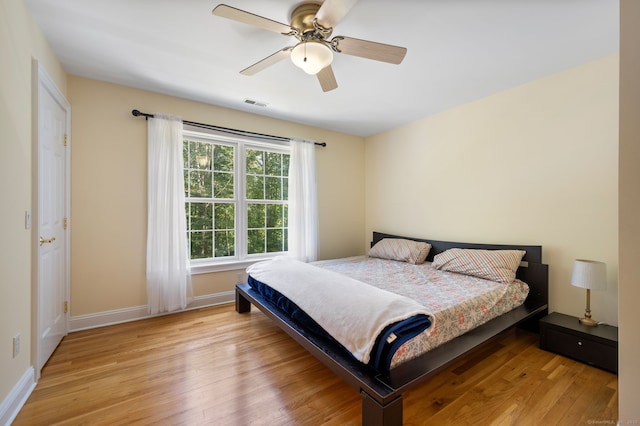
[256, 103]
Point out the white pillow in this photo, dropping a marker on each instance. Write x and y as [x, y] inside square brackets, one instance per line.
[400, 249]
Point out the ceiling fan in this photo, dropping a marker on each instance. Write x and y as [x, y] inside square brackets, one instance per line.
[312, 23]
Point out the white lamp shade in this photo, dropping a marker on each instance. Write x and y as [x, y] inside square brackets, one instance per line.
[312, 56]
[589, 274]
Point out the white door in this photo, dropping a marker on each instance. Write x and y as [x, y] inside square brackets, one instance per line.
[52, 214]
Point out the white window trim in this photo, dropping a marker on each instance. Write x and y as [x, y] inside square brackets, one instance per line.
[203, 266]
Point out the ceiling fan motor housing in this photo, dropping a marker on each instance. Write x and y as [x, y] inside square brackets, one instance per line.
[302, 19]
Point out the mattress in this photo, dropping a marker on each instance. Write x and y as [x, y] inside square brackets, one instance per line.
[458, 302]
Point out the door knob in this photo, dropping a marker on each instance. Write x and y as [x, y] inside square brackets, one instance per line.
[48, 240]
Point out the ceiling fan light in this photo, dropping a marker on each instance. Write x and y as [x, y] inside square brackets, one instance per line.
[311, 56]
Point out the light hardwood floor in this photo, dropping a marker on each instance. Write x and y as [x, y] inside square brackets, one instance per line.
[213, 366]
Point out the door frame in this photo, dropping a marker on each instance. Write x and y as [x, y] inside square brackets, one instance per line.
[39, 76]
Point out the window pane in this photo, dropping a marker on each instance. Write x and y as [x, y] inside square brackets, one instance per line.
[200, 216]
[201, 244]
[200, 155]
[285, 164]
[185, 154]
[285, 213]
[222, 185]
[200, 184]
[225, 243]
[224, 216]
[285, 173]
[274, 164]
[255, 241]
[223, 158]
[286, 239]
[274, 216]
[274, 240]
[255, 161]
[255, 188]
[186, 183]
[285, 188]
[256, 215]
[273, 188]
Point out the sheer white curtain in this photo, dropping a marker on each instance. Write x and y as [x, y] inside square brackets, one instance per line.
[168, 271]
[303, 204]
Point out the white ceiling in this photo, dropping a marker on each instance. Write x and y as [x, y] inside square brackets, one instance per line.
[458, 51]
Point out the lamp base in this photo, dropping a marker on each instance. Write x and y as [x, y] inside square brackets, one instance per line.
[589, 322]
[587, 313]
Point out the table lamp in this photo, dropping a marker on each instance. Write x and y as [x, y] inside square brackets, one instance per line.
[591, 275]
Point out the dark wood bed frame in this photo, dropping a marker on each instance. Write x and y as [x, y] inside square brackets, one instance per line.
[381, 395]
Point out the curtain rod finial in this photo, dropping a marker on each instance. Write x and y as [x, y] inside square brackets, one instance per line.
[138, 113]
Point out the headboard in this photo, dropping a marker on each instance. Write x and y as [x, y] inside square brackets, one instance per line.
[534, 253]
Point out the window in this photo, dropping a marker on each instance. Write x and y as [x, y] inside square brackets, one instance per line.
[236, 200]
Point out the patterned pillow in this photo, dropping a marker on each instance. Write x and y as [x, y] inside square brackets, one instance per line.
[399, 249]
[493, 265]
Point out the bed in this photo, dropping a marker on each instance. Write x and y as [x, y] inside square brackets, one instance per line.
[381, 391]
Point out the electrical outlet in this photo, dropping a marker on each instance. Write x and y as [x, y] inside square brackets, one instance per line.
[239, 278]
[27, 219]
[16, 345]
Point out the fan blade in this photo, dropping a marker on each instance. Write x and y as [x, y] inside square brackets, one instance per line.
[369, 49]
[327, 79]
[332, 11]
[268, 61]
[251, 19]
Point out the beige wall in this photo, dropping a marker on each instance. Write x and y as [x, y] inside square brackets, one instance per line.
[536, 164]
[20, 41]
[629, 192]
[108, 190]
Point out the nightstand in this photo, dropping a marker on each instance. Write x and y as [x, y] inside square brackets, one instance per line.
[597, 346]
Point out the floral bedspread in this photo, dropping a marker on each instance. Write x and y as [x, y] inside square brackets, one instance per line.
[459, 302]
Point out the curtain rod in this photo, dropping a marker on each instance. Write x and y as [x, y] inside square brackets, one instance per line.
[137, 113]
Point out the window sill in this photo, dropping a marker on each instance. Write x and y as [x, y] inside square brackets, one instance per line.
[205, 268]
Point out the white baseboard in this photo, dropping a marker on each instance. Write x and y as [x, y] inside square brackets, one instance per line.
[101, 319]
[12, 404]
